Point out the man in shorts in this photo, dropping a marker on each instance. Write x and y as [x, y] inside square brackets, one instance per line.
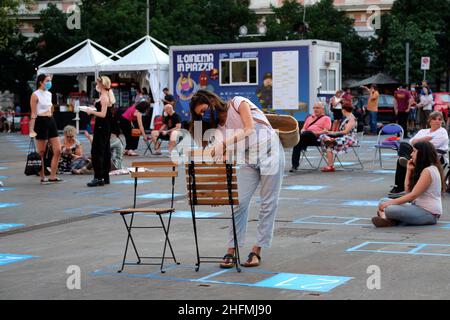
[169, 130]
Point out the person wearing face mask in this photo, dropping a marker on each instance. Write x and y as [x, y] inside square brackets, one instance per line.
[239, 125]
[43, 126]
[169, 130]
[100, 151]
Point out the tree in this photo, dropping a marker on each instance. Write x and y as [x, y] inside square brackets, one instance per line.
[55, 37]
[15, 67]
[426, 28]
[183, 22]
[8, 20]
[325, 22]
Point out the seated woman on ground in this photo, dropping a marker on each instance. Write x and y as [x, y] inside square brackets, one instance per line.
[338, 142]
[71, 151]
[422, 204]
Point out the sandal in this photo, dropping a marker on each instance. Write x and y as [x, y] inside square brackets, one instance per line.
[228, 261]
[55, 180]
[45, 181]
[250, 261]
[327, 169]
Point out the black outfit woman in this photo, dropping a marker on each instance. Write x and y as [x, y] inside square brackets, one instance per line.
[100, 152]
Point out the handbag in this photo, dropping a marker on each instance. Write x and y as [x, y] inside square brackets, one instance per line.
[135, 133]
[34, 162]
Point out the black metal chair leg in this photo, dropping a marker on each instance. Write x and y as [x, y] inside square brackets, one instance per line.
[236, 244]
[129, 237]
[168, 239]
[127, 243]
[132, 240]
[166, 232]
[197, 266]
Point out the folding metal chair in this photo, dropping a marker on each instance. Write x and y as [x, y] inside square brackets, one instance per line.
[304, 156]
[393, 130]
[149, 147]
[212, 184]
[170, 170]
[354, 147]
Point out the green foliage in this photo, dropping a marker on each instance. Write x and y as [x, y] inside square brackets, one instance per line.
[8, 20]
[426, 27]
[325, 23]
[183, 22]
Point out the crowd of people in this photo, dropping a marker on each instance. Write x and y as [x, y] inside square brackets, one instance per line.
[416, 198]
[66, 155]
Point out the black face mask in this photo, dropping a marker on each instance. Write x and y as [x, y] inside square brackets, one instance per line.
[208, 113]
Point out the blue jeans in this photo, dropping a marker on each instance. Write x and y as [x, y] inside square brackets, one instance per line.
[408, 214]
[373, 121]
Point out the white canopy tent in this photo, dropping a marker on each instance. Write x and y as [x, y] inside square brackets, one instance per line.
[148, 59]
[86, 60]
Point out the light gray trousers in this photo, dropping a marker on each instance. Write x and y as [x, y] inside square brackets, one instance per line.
[409, 214]
[249, 177]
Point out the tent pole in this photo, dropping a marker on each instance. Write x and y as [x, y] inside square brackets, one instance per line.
[148, 17]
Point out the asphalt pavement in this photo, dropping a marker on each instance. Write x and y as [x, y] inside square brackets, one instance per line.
[62, 241]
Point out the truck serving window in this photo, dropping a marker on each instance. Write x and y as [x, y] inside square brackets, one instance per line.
[238, 72]
[328, 79]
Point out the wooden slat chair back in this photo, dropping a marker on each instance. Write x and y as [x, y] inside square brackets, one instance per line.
[150, 169]
[212, 184]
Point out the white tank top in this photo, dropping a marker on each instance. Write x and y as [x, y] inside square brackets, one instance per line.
[431, 200]
[44, 103]
[234, 121]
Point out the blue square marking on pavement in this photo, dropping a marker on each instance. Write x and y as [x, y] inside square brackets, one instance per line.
[413, 248]
[6, 189]
[382, 171]
[4, 168]
[347, 163]
[8, 226]
[158, 196]
[304, 188]
[334, 220]
[6, 258]
[186, 214]
[282, 281]
[302, 282]
[8, 205]
[131, 181]
[360, 203]
[198, 214]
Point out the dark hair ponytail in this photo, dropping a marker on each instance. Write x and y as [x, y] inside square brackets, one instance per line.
[40, 79]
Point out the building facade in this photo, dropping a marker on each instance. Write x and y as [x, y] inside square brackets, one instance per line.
[28, 17]
[366, 13]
